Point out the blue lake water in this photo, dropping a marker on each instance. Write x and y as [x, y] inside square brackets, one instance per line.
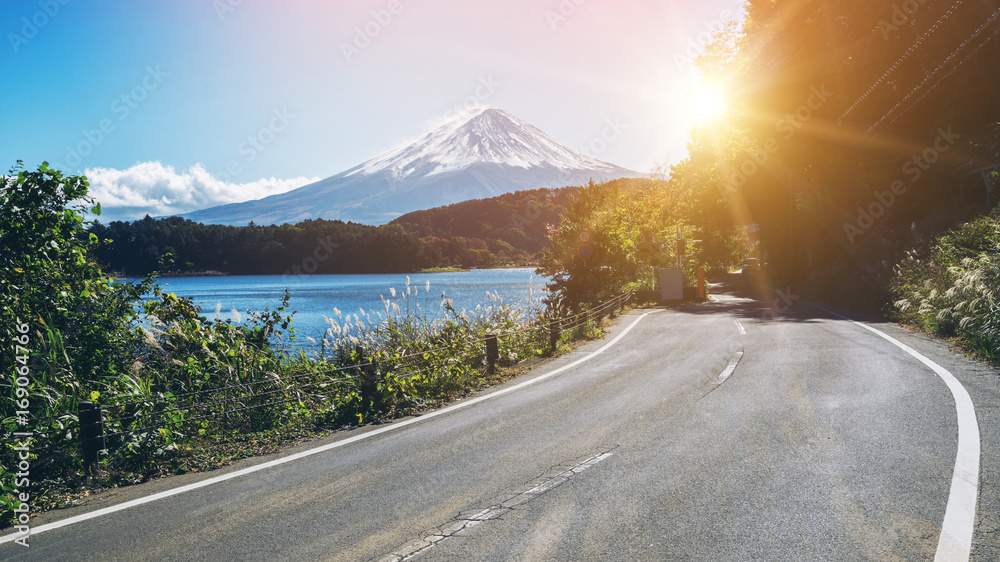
[315, 296]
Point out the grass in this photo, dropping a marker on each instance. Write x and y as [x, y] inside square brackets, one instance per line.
[952, 288]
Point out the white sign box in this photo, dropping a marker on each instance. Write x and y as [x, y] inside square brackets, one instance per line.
[671, 284]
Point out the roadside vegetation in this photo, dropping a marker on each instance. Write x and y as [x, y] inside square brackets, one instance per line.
[952, 286]
[614, 236]
[182, 391]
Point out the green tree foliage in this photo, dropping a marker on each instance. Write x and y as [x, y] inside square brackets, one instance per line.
[595, 249]
[79, 320]
[312, 246]
[78, 336]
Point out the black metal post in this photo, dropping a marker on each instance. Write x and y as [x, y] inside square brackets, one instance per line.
[492, 353]
[91, 432]
[554, 336]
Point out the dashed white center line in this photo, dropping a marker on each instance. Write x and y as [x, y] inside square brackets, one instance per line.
[458, 526]
[725, 374]
[740, 327]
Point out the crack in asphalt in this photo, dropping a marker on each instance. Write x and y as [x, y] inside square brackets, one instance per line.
[556, 475]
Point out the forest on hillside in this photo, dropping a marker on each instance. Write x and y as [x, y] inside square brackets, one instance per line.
[506, 230]
[176, 390]
[520, 219]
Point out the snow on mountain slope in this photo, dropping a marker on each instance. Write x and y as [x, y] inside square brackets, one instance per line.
[481, 153]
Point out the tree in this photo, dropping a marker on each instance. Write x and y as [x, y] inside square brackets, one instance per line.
[593, 250]
[79, 320]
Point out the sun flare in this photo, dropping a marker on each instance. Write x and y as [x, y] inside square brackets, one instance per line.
[705, 103]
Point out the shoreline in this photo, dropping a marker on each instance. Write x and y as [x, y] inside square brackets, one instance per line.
[117, 276]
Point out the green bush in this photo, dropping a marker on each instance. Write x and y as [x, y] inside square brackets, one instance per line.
[952, 288]
[77, 322]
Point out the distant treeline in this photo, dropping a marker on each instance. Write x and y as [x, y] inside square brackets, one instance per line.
[500, 231]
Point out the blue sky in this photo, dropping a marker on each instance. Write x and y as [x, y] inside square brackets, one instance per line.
[174, 106]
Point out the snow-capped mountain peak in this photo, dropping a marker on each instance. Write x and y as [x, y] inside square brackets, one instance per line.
[482, 152]
[481, 134]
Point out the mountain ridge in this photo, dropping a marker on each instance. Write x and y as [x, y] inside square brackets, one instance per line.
[481, 153]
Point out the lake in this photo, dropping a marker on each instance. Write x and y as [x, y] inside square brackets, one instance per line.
[315, 296]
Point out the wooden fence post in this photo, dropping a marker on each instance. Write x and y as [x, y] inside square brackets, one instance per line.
[369, 379]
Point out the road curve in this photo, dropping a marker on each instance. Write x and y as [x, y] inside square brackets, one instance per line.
[713, 431]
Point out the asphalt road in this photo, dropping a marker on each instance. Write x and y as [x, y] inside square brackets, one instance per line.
[825, 442]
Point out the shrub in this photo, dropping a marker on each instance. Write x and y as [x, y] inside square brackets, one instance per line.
[952, 289]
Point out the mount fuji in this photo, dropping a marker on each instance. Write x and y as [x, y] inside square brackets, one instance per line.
[482, 153]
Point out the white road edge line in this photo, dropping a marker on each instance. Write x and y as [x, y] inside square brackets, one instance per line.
[270, 464]
[955, 542]
[743, 331]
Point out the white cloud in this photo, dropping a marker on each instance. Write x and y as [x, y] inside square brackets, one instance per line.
[157, 190]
